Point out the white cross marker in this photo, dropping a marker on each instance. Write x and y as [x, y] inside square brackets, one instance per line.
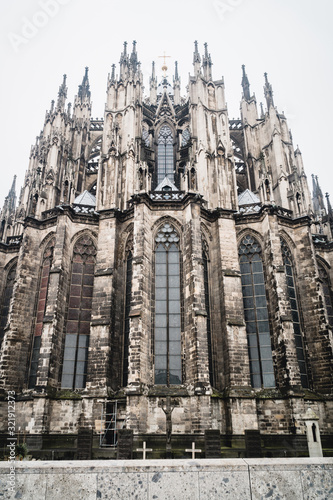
[144, 450]
[193, 450]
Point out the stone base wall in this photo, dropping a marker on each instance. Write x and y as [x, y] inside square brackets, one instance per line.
[248, 479]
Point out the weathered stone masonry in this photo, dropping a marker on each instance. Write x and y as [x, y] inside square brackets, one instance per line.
[235, 347]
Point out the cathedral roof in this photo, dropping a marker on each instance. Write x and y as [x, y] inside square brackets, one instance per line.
[247, 197]
[87, 199]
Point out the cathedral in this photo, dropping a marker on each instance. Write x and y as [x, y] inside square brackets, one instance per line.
[166, 272]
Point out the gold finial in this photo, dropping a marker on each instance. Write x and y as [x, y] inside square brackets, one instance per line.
[164, 67]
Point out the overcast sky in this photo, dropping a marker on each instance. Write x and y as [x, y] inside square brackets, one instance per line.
[291, 40]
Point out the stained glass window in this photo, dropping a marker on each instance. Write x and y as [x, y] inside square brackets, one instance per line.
[291, 290]
[165, 159]
[167, 307]
[327, 292]
[74, 370]
[256, 313]
[41, 306]
[6, 298]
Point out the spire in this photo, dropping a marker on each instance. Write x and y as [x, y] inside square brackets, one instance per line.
[262, 113]
[124, 54]
[196, 60]
[124, 62]
[84, 88]
[176, 71]
[113, 73]
[153, 84]
[245, 85]
[153, 72]
[329, 206]
[10, 201]
[196, 55]
[176, 86]
[134, 58]
[12, 195]
[268, 92]
[207, 64]
[317, 197]
[62, 94]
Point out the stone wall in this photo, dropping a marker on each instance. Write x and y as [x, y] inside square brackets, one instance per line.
[246, 479]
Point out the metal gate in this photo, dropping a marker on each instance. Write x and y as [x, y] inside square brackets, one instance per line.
[108, 435]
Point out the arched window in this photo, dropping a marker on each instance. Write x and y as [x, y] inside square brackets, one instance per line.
[327, 293]
[165, 159]
[168, 367]
[41, 307]
[256, 313]
[207, 306]
[291, 290]
[74, 370]
[6, 298]
[129, 262]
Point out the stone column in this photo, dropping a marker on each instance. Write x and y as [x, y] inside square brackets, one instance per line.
[317, 335]
[17, 341]
[236, 367]
[99, 357]
[196, 342]
[287, 370]
[139, 358]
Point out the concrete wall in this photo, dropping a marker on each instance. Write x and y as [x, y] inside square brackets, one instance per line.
[245, 479]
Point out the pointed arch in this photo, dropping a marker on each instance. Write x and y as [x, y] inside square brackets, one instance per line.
[74, 369]
[256, 312]
[40, 309]
[295, 312]
[167, 317]
[157, 226]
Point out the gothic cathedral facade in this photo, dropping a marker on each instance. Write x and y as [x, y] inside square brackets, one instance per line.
[166, 251]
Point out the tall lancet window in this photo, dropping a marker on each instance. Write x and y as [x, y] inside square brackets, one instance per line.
[165, 160]
[128, 294]
[327, 292]
[256, 313]
[291, 290]
[74, 370]
[168, 369]
[41, 307]
[207, 306]
[6, 298]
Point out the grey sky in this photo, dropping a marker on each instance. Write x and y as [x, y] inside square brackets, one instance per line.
[291, 40]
